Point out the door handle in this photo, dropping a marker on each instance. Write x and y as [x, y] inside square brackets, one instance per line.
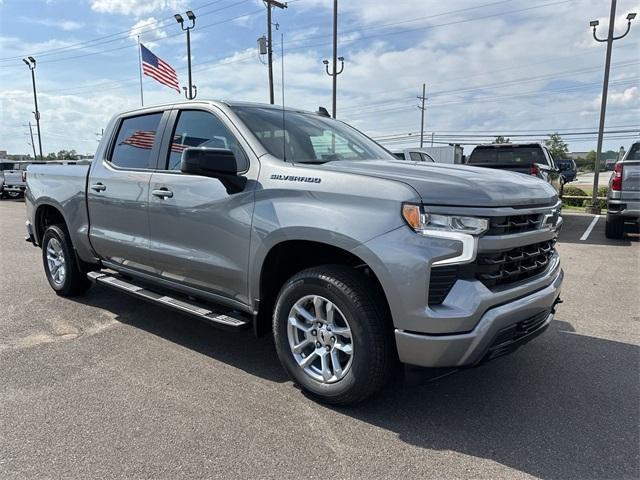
[98, 187]
[162, 193]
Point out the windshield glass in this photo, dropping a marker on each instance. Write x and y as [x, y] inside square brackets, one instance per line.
[308, 138]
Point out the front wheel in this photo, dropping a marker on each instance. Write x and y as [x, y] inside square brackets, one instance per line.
[332, 335]
[60, 263]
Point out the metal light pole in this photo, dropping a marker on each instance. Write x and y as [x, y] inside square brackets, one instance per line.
[192, 90]
[33, 145]
[595, 205]
[31, 63]
[335, 56]
[270, 4]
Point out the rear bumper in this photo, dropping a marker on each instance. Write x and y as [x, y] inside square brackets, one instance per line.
[14, 188]
[624, 208]
[500, 330]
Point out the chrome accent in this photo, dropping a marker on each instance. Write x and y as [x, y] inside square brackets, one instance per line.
[55, 262]
[320, 339]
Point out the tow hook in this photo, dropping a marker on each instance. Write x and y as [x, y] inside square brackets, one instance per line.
[557, 302]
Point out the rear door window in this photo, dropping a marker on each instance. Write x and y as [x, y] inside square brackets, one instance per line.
[415, 156]
[135, 141]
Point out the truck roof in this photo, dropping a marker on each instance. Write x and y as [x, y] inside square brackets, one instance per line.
[219, 103]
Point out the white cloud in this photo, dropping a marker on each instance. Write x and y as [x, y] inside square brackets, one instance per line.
[149, 31]
[135, 7]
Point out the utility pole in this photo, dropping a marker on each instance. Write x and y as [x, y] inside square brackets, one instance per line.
[422, 109]
[335, 71]
[594, 208]
[192, 90]
[31, 63]
[270, 4]
[32, 142]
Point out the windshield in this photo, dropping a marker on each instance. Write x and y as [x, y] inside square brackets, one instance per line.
[308, 138]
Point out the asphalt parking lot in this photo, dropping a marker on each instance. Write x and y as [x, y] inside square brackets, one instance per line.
[105, 386]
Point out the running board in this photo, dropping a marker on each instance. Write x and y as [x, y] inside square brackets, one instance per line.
[203, 312]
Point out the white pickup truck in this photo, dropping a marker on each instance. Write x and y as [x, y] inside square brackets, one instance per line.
[13, 178]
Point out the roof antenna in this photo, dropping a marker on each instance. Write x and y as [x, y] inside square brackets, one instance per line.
[284, 132]
[323, 112]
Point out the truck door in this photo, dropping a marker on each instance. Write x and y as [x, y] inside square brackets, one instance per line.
[118, 191]
[200, 226]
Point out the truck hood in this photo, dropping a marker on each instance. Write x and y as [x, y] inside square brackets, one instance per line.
[456, 185]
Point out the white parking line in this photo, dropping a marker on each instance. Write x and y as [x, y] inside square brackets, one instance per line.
[589, 229]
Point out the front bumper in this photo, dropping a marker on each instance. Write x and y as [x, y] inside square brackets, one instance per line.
[14, 188]
[500, 330]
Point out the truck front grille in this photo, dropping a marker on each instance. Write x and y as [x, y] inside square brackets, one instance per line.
[492, 269]
[514, 224]
[511, 266]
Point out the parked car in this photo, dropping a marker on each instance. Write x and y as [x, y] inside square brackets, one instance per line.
[568, 169]
[309, 229]
[412, 155]
[623, 198]
[528, 158]
[13, 178]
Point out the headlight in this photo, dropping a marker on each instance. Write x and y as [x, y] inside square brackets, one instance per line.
[423, 222]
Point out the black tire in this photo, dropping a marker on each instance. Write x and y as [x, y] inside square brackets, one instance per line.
[614, 228]
[371, 333]
[75, 282]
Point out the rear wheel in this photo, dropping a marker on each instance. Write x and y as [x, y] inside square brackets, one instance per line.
[331, 334]
[614, 228]
[60, 263]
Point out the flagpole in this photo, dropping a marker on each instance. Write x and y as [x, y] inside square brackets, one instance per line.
[140, 65]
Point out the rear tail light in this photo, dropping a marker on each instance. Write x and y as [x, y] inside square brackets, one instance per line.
[534, 170]
[616, 181]
[24, 175]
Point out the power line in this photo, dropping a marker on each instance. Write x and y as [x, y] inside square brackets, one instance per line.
[124, 34]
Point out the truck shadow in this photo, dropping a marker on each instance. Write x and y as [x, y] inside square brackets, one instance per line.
[564, 406]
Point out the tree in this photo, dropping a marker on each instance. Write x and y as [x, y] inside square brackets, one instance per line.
[501, 139]
[556, 146]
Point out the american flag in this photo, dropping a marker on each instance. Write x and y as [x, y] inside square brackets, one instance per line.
[158, 69]
[142, 139]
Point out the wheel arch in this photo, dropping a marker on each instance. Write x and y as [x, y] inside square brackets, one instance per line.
[289, 256]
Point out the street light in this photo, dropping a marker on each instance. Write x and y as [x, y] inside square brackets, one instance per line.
[191, 91]
[595, 205]
[31, 63]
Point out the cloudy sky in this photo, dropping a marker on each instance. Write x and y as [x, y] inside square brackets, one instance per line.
[514, 67]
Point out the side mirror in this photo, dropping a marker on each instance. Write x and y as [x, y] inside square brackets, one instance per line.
[209, 162]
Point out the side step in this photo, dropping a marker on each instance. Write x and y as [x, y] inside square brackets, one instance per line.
[206, 313]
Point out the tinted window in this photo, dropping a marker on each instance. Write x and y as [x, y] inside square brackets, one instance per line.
[415, 156]
[399, 155]
[510, 155]
[201, 129]
[634, 152]
[426, 158]
[135, 141]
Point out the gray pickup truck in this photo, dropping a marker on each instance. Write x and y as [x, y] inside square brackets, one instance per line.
[623, 198]
[247, 215]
